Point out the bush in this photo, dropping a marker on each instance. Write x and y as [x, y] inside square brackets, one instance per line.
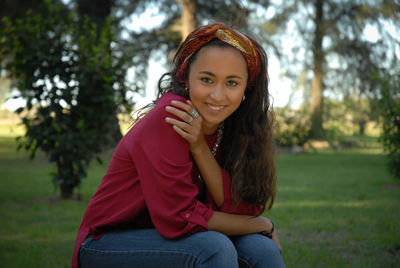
[65, 70]
[293, 127]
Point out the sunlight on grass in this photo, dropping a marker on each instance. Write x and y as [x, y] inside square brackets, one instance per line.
[11, 130]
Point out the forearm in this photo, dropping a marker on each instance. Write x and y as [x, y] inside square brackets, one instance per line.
[211, 174]
[232, 224]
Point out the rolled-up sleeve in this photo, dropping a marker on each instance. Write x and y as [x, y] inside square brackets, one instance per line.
[164, 168]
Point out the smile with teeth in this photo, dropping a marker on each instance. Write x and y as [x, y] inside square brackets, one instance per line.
[215, 107]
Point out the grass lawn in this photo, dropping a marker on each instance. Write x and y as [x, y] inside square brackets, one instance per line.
[334, 209]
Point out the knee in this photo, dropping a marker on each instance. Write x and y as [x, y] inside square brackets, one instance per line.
[218, 248]
[223, 245]
[259, 251]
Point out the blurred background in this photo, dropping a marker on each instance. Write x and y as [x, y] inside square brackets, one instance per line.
[73, 72]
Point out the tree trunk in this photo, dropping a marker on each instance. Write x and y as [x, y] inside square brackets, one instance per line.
[189, 22]
[317, 83]
[66, 191]
[361, 129]
[98, 11]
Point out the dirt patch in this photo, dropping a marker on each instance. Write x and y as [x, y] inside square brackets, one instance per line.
[53, 200]
[392, 186]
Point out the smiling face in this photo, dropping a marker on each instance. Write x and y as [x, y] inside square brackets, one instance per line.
[217, 81]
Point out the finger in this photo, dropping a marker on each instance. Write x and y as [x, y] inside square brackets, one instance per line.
[179, 113]
[190, 103]
[188, 107]
[183, 134]
[181, 124]
[276, 240]
[183, 106]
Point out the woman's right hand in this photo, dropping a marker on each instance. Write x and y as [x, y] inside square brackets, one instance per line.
[276, 240]
[274, 233]
[188, 127]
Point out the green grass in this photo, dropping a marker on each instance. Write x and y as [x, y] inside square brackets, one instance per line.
[334, 209]
[338, 209]
[37, 229]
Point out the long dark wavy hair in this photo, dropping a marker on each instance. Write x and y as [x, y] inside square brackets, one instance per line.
[247, 142]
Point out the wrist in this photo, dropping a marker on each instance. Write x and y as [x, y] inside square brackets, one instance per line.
[199, 148]
[268, 233]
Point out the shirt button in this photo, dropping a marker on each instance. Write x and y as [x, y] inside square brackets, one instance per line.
[187, 215]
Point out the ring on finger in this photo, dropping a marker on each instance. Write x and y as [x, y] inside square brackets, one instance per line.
[190, 120]
[194, 113]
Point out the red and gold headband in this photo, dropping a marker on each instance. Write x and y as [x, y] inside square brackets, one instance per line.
[198, 38]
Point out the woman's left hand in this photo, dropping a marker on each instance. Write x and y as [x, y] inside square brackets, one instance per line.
[189, 127]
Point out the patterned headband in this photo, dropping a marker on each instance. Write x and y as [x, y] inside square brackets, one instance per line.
[198, 38]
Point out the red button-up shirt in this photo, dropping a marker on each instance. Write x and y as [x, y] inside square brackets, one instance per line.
[152, 182]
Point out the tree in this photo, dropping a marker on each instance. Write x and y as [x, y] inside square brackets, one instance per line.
[181, 17]
[64, 70]
[13, 9]
[389, 104]
[330, 47]
[188, 19]
[317, 84]
[99, 11]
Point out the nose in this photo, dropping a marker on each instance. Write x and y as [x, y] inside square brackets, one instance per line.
[218, 92]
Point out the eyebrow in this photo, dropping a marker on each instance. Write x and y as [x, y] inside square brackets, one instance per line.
[229, 76]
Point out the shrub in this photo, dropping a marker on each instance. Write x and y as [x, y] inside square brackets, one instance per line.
[293, 127]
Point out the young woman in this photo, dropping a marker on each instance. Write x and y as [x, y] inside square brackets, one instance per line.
[187, 184]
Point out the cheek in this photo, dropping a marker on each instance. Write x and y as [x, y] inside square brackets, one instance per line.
[196, 91]
[237, 97]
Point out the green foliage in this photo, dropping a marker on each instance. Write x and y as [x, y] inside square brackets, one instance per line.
[351, 116]
[67, 74]
[390, 112]
[293, 127]
[347, 57]
[342, 119]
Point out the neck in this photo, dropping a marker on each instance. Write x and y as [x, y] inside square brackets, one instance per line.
[210, 130]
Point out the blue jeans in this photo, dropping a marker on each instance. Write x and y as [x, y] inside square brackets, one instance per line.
[147, 248]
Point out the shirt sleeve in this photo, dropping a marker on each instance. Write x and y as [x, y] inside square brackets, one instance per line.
[164, 166]
[230, 206]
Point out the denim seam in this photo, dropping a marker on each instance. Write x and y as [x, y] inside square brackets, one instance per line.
[105, 252]
[244, 260]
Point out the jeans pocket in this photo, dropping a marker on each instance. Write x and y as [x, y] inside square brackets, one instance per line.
[87, 241]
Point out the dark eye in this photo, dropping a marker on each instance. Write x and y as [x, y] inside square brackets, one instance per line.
[231, 83]
[206, 80]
